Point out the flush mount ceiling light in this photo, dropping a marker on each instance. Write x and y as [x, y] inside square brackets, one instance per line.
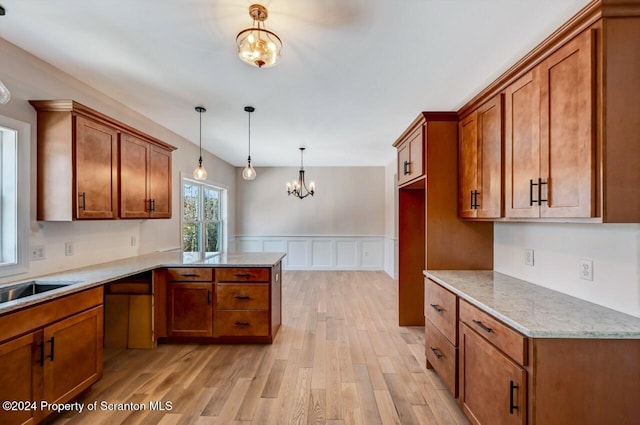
[5, 95]
[200, 173]
[249, 173]
[298, 188]
[258, 46]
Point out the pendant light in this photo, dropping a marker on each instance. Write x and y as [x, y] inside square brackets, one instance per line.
[5, 94]
[249, 173]
[200, 173]
[298, 188]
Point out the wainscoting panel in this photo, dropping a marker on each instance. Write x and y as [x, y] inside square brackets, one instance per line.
[320, 252]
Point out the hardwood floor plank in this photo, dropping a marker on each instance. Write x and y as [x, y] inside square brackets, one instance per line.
[340, 358]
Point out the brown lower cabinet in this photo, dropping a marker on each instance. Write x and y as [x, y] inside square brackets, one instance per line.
[58, 357]
[218, 304]
[505, 377]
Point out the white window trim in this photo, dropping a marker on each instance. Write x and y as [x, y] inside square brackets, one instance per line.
[223, 213]
[24, 195]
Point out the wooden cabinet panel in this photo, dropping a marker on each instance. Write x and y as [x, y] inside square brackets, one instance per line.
[19, 379]
[242, 323]
[492, 387]
[190, 274]
[243, 274]
[567, 136]
[411, 156]
[522, 145]
[145, 179]
[242, 297]
[506, 339]
[160, 182]
[480, 162]
[468, 165]
[72, 355]
[441, 308]
[190, 309]
[442, 356]
[95, 169]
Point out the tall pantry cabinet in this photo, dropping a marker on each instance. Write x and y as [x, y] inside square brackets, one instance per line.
[430, 234]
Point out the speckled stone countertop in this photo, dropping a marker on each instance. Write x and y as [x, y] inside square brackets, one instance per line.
[99, 274]
[534, 310]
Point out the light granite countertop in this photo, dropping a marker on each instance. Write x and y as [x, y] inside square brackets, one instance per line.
[536, 311]
[99, 274]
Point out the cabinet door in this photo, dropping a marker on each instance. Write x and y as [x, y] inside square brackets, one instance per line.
[410, 155]
[468, 163]
[19, 377]
[522, 146]
[492, 387]
[95, 170]
[567, 136]
[72, 355]
[159, 182]
[190, 309]
[489, 196]
[133, 177]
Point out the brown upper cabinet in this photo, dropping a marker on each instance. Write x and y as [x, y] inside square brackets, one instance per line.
[550, 143]
[480, 158]
[91, 166]
[145, 179]
[570, 124]
[411, 154]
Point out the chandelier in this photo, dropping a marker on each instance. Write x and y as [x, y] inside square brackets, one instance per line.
[258, 46]
[298, 188]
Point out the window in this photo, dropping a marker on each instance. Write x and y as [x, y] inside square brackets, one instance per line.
[14, 196]
[203, 218]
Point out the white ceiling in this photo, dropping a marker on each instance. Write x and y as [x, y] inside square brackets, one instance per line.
[352, 77]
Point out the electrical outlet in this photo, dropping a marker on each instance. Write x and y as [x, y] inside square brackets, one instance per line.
[586, 269]
[68, 249]
[528, 257]
[37, 253]
[134, 240]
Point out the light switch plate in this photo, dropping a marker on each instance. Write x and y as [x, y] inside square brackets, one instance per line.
[528, 257]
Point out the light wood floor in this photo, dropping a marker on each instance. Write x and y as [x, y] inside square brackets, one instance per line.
[339, 358]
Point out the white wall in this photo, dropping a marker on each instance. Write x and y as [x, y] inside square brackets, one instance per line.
[28, 77]
[614, 249]
[391, 221]
[341, 227]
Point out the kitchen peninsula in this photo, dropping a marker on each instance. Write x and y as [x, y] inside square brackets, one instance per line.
[54, 339]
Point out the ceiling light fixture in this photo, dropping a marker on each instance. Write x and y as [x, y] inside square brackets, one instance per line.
[249, 173]
[5, 94]
[296, 187]
[258, 46]
[200, 173]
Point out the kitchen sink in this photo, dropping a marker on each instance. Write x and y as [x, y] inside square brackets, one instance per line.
[27, 289]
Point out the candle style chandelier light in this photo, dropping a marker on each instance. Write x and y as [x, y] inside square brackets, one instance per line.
[257, 46]
[298, 188]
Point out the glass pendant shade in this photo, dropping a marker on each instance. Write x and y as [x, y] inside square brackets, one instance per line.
[258, 46]
[5, 95]
[249, 173]
[200, 173]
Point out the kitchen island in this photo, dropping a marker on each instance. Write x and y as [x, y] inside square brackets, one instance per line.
[54, 340]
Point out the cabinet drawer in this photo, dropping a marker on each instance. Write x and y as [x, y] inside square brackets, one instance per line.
[242, 297]
[243, 275]
[193, 274]
[440, 307]
[442, 355]
[241, 323]
[506, 339]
